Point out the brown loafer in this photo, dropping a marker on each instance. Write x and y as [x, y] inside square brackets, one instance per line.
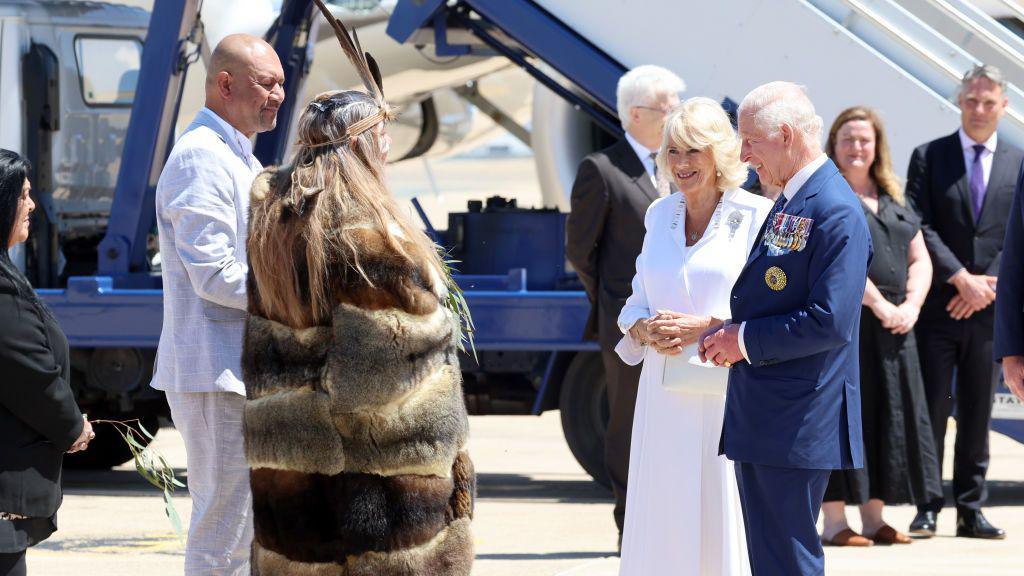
[847, 537]
[888, 535]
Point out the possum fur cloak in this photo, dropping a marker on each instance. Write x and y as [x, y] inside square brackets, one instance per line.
[355, 428]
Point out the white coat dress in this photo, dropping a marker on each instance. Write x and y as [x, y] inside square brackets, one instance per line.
[683, 514]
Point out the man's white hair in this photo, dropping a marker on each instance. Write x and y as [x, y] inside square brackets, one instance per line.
[776, 103]
[642, 85]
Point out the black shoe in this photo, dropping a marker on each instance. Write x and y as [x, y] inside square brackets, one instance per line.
[923, 525]
[972, 524]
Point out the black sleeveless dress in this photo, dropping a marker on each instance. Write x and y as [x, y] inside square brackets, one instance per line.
[900, 462]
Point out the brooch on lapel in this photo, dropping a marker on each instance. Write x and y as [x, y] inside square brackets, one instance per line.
[775, 278]
[733, 222]
[787, 233]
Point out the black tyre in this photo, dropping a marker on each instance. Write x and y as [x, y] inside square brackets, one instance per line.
[584, 407]
[108, 449]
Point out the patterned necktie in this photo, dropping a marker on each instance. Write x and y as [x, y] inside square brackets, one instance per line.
[654, 162]
[977, 182]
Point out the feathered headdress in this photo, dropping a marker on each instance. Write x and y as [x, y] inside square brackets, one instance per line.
[368, 72]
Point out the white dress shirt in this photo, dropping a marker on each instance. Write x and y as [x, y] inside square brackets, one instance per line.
[792, 187]
[644, 154]
[967, 145]
[240, 144]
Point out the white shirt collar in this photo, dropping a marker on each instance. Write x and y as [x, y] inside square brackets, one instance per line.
[802, 176]
[243, 143]
[967, 143]
[642, 152]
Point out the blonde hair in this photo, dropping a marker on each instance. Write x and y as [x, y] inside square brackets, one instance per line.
[881, 171]
[307, 225]
[701, 123]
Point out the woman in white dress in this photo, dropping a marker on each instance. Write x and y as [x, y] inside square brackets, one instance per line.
[683, 513]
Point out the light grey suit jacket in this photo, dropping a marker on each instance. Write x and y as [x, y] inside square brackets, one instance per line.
[202, 206]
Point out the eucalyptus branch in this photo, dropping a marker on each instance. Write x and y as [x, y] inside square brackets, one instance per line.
[456, 303]
[150, 464]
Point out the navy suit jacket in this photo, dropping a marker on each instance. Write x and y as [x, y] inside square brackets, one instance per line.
[797, 403]
[1010, 292]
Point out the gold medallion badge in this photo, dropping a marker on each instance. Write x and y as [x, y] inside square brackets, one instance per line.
[775, 278]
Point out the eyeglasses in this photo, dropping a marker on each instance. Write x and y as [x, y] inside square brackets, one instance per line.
[659, 110]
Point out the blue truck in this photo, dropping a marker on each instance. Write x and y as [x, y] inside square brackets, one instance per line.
[526, 302]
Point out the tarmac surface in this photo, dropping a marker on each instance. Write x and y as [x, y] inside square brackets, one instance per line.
[538, 513]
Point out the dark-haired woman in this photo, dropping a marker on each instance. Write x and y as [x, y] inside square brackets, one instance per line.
[39, 420]
[899, 456]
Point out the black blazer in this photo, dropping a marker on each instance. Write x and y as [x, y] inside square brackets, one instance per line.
[39, 419]
[605, 232]
[937, 186]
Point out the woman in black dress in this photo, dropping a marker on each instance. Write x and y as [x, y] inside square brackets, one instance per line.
[900, 460]
[39, 420]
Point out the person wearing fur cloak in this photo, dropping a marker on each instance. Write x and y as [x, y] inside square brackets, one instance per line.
[355, 423]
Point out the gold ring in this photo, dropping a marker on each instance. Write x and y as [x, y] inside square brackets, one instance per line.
[727, 364]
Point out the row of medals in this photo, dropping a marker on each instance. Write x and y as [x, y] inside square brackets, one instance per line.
[788, 232]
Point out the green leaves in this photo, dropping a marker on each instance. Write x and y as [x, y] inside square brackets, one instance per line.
[150, 465]
[456, 302]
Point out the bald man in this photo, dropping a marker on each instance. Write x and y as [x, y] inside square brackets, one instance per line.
[202, 205]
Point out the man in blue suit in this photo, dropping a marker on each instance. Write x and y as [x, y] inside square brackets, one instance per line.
[1009, 343]
[792, 411]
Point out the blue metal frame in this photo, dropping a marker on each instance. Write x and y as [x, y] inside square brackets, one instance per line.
[95, 314]
[294, 19]
[123, 249]
[536, 30]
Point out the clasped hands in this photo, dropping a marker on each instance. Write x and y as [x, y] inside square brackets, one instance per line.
[896, 319]
[975, 292]
[668, 332]
[720, 344]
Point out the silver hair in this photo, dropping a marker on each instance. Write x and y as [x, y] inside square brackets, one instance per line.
[642, 85]
[777, 103]
[987, 71]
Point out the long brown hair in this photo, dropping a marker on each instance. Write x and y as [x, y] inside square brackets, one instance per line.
[881, 170]
[307, 223]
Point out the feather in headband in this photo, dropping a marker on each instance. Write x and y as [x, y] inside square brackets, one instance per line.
[368, 72]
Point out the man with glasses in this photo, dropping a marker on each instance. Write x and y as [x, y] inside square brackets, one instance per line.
[610, 197]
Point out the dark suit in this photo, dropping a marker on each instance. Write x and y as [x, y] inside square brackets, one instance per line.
[39, 420]
[792, 414]
[1009, 340]
[605, 233]
[937, 185]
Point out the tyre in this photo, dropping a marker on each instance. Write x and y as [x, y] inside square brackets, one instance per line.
[109, 449]
[583, 404]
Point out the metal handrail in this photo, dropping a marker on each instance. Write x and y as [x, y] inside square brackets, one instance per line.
[1014, 7]
[973, 26]
[953, 74]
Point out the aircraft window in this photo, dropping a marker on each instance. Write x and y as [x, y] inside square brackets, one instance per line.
[108, 69]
